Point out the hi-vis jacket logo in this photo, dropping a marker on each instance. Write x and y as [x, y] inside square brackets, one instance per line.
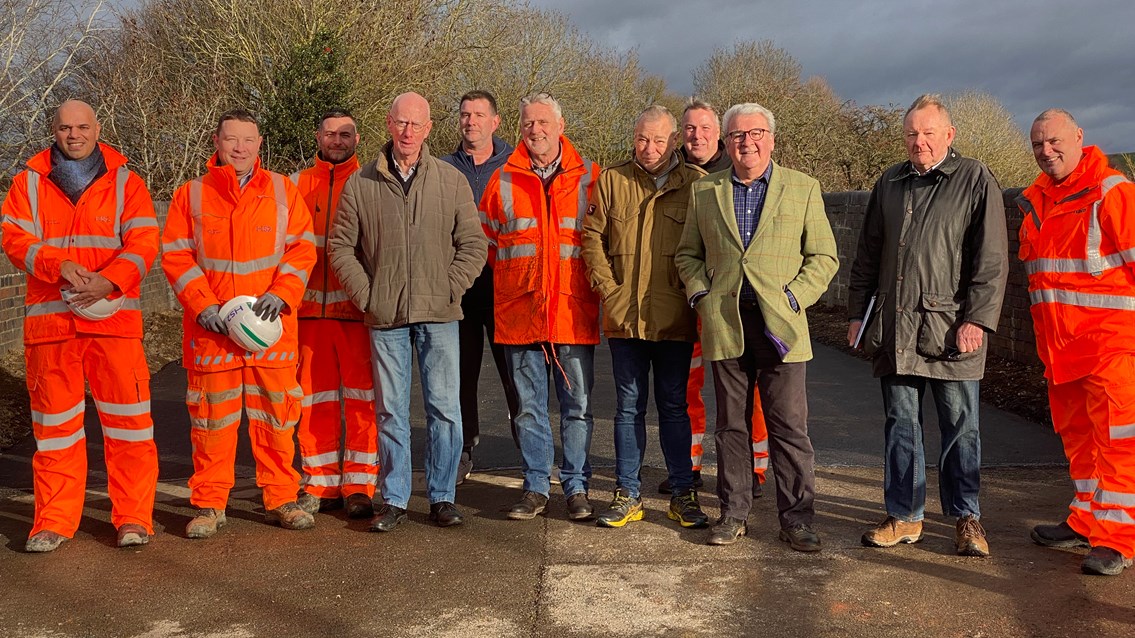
[263, 229]
[102, 219]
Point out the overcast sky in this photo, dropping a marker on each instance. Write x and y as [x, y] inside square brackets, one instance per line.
[1030, 55]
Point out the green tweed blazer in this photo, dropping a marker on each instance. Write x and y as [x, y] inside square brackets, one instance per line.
[793, 249]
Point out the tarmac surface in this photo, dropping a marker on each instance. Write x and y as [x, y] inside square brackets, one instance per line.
[553, 577]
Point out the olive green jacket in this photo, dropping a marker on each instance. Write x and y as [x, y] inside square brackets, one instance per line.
[793, 250]
[630, 234]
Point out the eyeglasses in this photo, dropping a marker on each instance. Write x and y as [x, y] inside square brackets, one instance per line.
[738, 137]
[400, 125]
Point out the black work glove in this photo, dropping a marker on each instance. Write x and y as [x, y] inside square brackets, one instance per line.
[268, 306]
[210, 319]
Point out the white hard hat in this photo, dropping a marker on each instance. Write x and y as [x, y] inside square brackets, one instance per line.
[246, 328]
[97, 311]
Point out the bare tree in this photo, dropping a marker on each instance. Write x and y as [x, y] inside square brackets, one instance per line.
[987, 132]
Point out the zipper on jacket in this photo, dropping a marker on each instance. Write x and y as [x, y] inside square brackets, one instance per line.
[326, 227]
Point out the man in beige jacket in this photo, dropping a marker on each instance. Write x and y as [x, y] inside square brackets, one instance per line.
[630, 233]
[406, 244]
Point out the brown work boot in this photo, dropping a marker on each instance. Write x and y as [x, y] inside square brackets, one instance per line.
[891, 532]
[206, 523]
[290, 516]
[132, 535]
[44, 541]
[970, 537]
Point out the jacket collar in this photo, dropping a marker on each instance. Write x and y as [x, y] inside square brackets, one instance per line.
[1089, 172]
[570, 159]
[947, 167]
[383, 167]
[227, 180]
[41, 162]
[501, 149]
[342, 170]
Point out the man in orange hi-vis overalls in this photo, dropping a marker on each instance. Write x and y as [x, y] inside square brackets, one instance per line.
[1078, 247]
[78, 218]
[334, 359]
[240, 230]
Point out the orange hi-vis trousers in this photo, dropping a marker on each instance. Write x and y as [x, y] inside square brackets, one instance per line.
[271, 398]
[335, 372]
[1095, 418]
[120, 384]
[697, 417]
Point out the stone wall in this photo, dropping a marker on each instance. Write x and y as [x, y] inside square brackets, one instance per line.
[1014, 339]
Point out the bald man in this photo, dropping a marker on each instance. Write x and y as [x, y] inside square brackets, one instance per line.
[406, 245]
[82, 226]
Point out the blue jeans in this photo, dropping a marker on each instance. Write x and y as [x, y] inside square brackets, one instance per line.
[959, 467]
[631, 361]
[391, 351]
[572, 369]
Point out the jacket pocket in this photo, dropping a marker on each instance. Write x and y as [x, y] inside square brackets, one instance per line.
[673, 219]
[873, 337]
[940, 318]
[514, 278]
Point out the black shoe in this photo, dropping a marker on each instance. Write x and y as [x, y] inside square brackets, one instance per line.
[684, 508]
[464, 466]
[623, 509]
[664, 486]
[579, 508]
[387, 518]
[445, 514]
[727, 530]
[758, 487]
[801, 538]
[359, 506]
[1104, 561]
[529, 505]
[1059, 535]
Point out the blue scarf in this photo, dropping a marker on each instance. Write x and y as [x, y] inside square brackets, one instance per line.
[73, 177]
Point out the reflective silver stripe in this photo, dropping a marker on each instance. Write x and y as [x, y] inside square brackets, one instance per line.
[29, 258]
[234, 267]
[696, 362]
[359, 478]
[512, 252]
[508, 203]
[123, 434]
[194, 396]
[195, 194]
[365, 458]
[760, 446]
[60, 443]
[228, 357]
[33, 202]
[281, 194]
[1085, 485]
[320, 241]
[491, 223]
[567, 251]
[358, 394]
[1096, 267]
[1080, 505]
[22, 224]
[571, 223]
[1114, 516]
[263, 416]
[179, 244]
[141, 408]
[327, 458]
[1122, 499]
[52, 419]
[85, 241]
[295, 177]
[288, 269]
[138, 222]
[516, 225]
[1083, 299]
[187, 277]
[45, 308]
[120, 177]
[138, 262]
[760, 463]
[272, 356]
[695, 439]
[584, 182]
[217, 424]
[323, 481]
[307, 236]
[327, 396]
[1118, 432]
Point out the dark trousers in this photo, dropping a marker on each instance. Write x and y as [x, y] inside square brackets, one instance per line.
[785, 403]
[472, 330]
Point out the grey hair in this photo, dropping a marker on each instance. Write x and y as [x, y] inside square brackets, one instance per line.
[657, 112]
[748, 108]
[542, 98]
[1049, 114]
[927, 100]
[698, 104]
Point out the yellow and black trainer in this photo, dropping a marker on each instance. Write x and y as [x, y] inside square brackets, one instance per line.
[623, 509]
[684, 508]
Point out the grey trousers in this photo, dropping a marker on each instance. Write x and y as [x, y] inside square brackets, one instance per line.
[785, 404]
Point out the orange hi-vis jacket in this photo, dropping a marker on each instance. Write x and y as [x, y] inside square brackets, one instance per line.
[221, 241]
[111, 230]
[320, 187]
[1078, 247]
[541, 290]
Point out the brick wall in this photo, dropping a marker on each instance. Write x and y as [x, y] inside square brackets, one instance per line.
[1014, 339]
[156, 295]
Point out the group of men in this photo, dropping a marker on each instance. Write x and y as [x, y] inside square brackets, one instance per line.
[698, 246]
